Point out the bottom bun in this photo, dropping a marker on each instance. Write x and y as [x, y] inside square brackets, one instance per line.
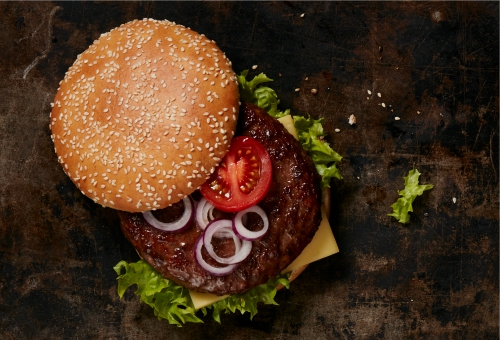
[325, 204]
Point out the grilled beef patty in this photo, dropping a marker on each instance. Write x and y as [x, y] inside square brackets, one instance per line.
[292, 205]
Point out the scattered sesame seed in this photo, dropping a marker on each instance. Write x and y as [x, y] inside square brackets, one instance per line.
[297, 89]
[337, 130]
[369, 92]
[254, 67]
[302, 15]
[378, 94]
[397, 118]
[314, 91]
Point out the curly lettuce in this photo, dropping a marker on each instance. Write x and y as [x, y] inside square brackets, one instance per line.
[173, 302]
[325, 159]
[310, 131]
[403, 206]
[264, 97]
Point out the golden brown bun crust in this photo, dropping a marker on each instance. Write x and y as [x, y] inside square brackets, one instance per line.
[144, 115]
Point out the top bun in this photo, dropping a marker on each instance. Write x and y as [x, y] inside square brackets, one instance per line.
[144, 115]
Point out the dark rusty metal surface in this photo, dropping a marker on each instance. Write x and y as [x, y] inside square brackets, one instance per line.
[435, 66]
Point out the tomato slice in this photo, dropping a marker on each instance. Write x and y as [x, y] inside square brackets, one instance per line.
[242, 178]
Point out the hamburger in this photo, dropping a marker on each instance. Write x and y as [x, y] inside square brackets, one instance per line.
[212, 191]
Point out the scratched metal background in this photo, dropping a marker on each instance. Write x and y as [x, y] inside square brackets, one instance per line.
[435, 66]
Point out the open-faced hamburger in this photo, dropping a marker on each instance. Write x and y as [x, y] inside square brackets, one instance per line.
[146, 122]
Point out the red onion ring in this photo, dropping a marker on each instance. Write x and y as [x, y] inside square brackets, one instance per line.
[204, 215]
[242, 231]
[211, 211]
[216, 271]
[203, 212]
[178, 225]
[242, 247]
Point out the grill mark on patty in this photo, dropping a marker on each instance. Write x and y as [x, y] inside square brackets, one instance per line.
[292, 204]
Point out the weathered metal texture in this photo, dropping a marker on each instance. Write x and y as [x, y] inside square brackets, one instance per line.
[435, 66]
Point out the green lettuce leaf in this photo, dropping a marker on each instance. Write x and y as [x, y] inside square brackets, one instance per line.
[325, 159]
[173, 302]
[248, 301]
[310, 131]
[262, 96]
[169, 300]
[403, 206]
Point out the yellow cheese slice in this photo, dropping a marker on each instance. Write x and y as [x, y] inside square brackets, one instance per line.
[287, 122]
[201, 300]
[322, 245]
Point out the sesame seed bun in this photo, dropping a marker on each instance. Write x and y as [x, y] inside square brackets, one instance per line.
[144, 115]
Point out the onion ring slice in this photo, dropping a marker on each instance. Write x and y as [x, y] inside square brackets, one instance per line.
[205, 214]
[216, 271]
[202, 213]
[178, 225]
[242, 231]
[242, 247]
